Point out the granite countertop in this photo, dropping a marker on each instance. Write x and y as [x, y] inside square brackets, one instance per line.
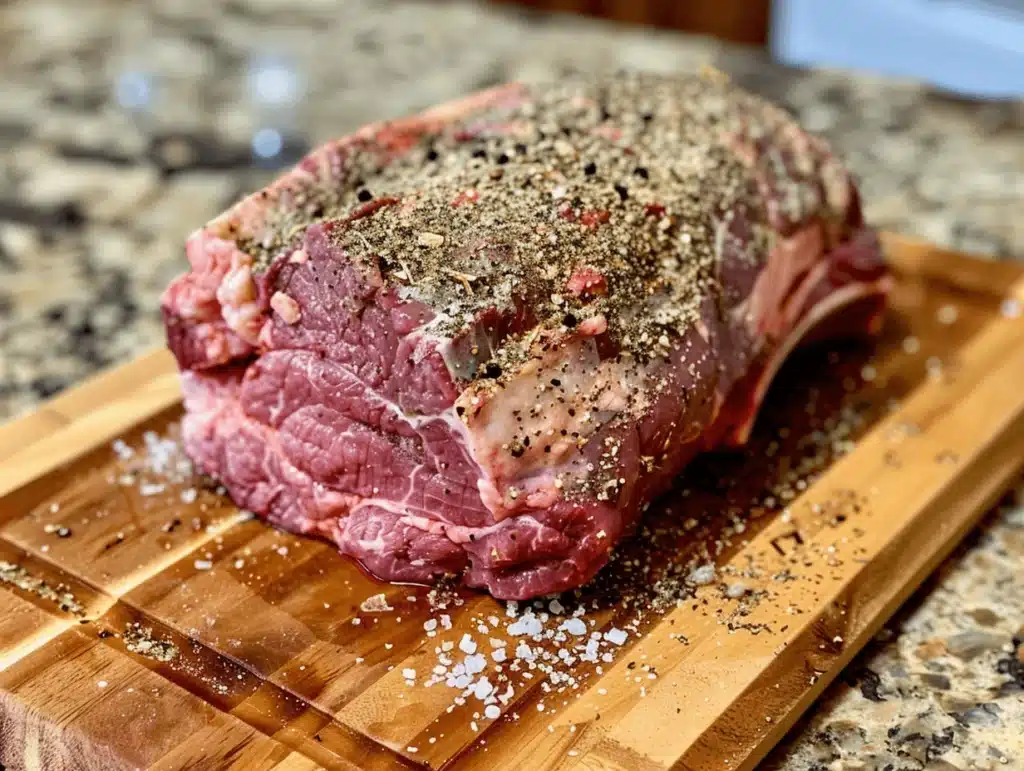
[125, 128]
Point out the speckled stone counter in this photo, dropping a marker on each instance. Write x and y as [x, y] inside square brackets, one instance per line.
[96, 199]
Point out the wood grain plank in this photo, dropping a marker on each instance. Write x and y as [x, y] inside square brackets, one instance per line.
[110, 522]
[16, 436]
[207, 679]
[113, 385]
[966, 419]
[97, 412]
[40, 603]
[78, 692]
[98, 391]
[118, 541]
[231, 687]
[271, 604]
[31, 741]
[24, 627]
[296, 762]
[958, 272]
[169, 559]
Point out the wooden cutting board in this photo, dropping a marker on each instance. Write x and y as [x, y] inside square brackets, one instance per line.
[141, 630]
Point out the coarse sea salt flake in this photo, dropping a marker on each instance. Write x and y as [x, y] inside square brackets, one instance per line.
[615, 636]
[523, 651]
[527, 625]
[736, 591]
[482, 688]
[575, 626]
[703, 575]
[123, 451]
[466, 644]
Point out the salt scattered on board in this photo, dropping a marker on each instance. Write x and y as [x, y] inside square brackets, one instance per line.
[703, 575]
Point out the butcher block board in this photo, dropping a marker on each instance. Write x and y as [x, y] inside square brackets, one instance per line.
[142, 629]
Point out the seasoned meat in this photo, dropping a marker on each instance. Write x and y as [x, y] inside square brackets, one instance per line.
[481, 340]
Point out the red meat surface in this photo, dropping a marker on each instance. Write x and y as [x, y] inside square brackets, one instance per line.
[481, 340]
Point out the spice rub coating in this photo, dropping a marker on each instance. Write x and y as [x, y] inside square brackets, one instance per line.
[526, 311]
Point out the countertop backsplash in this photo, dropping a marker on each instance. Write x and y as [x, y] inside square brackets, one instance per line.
[123, 130]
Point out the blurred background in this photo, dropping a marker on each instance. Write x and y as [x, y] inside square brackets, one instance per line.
[971, 46]
[126, 124]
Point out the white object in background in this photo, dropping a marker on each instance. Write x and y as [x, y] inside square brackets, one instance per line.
[276, 88]
[972, 47]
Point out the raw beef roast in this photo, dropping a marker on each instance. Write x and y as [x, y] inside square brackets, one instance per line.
[479, 341]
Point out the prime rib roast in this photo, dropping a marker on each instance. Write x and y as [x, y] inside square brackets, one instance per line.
[479, 341]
